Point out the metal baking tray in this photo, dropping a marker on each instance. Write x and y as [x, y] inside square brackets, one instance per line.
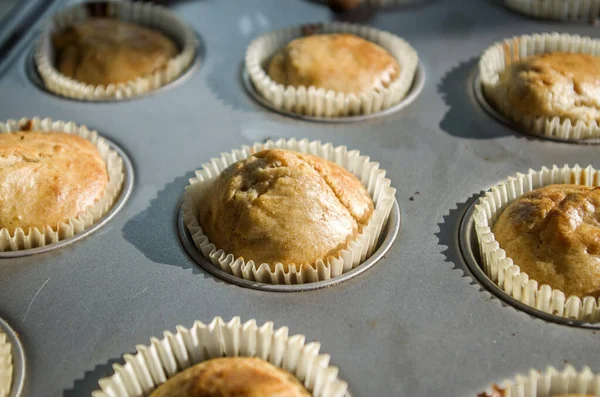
[417, 323]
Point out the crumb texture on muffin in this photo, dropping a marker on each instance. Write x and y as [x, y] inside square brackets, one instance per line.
[340, 62]
[103, 51]
[553, 235]
[281, 206]
[47, 178]
[554, 84]
[232, 377]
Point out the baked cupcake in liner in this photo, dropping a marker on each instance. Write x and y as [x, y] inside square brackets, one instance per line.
[551, 382]
[501, 269]
[556, 9]
[356, 252]
[140, 13]
[319, 102]
[6, 366]
[497, 57]
[154, 364]
[33, 238]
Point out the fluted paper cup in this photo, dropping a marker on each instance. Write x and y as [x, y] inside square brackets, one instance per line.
[33, 238]
[141, 13]
[500, 55]
[318, 102]
[154, 364]
[551, 382]
[357, 251]
[501, 269]
[6, 366]
[557, 9]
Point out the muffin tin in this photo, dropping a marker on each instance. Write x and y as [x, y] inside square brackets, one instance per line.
[418, 322]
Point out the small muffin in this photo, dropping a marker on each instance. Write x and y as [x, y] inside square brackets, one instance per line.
[232, 377]
[553, 235]
[339, 62]
[47, 178]
[103, 51]
[343, 5]
[280, 206]
[555, 84]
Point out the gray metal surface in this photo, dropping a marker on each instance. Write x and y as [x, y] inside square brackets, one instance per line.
[119, 203]
[413, 325]
[18, 359]
[411, 95]
[387, 238]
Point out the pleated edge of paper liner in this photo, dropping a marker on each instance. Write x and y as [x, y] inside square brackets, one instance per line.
[6, 365]
[551, 382]
[497, 57]
[564, 10]
[359, 249]
[501, 269]
[154, 364]
[320, 102]
[33, 238]
[145, 14]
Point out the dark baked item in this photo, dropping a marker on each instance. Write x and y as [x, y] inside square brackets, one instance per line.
[280, 206]
[560, 84]
[47, 178]
[339, 62]
[103, 51]
[343, 5]
[232, 377]
[553, 235]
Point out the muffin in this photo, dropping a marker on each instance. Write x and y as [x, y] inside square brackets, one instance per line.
[545, 84]
[554, 84]
[553, 234]
[556, 10]
[343, 5]
[47, 178]
[232, 376]
[6, 367]
[103, 51]
[280, 206]
[340, 62]
[331, 70]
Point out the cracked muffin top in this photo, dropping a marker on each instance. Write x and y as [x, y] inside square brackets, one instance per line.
[280, 206]
[553, 235]
[47, 178]
[553, 84]
[339, 62]
[103, 51]
[232, 377]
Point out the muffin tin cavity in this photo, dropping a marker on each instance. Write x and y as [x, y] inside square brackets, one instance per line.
[386, 239]
[18, 359]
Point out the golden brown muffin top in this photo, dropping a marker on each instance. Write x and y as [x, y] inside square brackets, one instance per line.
[339, 62]
[554, 84]
[232, 377]
[101, 51]
[47, 178]
[553, 235]
[280, 206]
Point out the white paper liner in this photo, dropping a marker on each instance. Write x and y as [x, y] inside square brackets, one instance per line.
[33, 238]
[557, 9]
[152, 365]
[551, 382]
[6, 365]
[319, 102]
[497, 57]
[357, 251]
[144, 14]
[501, 269]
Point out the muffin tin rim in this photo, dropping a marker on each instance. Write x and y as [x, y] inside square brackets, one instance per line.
[466, 242]
[414, 91]
[387, 238]
[126, 190]
[18, 357]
